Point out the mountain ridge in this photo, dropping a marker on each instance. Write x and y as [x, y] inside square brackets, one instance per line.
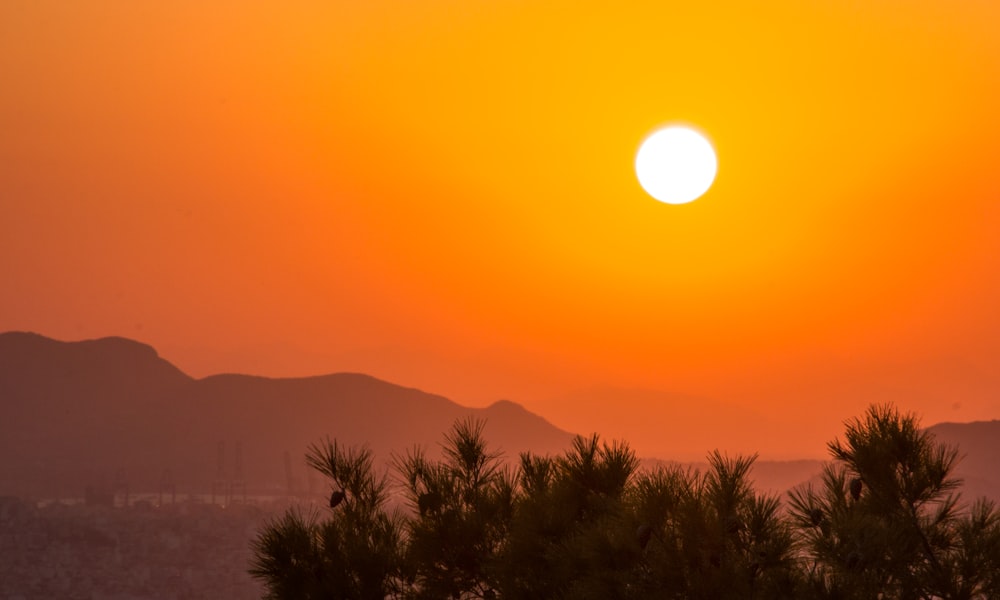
[89, 412]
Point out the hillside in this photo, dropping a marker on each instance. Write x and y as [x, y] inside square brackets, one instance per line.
[979, 452]
[95, 412]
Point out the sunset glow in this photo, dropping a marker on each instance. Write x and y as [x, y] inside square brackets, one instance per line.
[443, 194]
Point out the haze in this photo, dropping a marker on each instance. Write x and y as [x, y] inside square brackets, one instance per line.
[441, 195]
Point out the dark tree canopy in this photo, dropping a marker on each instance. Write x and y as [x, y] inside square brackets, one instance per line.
[886, 522]
[888, 518]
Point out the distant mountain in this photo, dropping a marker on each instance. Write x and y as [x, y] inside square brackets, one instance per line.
[679, 436]
[92, 413]
[979, 450]
[978, 467]
[78, 414]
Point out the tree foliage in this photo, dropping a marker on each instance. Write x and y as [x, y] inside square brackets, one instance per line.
[351, 554]
[885, 522]
[888, 519]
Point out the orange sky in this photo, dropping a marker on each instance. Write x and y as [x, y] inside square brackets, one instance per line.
[440, 193]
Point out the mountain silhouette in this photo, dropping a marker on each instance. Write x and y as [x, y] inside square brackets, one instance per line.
[979, 450]
[978, 446]
[97, 412]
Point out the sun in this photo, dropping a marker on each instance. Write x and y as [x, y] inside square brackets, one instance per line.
[676, 165]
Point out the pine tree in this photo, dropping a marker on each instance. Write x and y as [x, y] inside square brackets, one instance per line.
[888, 522]
[885, 522]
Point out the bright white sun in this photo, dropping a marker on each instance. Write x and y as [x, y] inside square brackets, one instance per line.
[675, 165]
